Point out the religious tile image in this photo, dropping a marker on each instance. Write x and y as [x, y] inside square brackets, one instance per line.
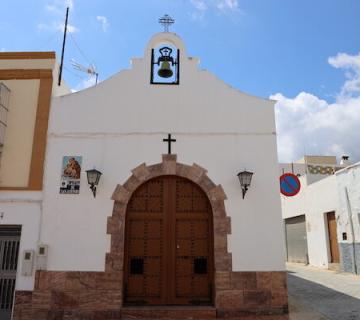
[70, 175]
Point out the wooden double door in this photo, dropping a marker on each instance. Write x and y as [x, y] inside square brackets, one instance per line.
[168, 244]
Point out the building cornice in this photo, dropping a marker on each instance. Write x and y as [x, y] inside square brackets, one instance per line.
[27, 55]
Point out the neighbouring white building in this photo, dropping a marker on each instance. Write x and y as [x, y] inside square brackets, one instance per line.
[321, 221]
[348, 185]
[167, 227]
[26, 87]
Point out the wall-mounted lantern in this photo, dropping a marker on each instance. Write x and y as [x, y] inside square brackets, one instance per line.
[93, 177]
[245, 181]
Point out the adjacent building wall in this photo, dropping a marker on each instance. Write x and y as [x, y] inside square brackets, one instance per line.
[29, 76]
[19, 134]
[348, 184]
[314, 200]
[24, 209]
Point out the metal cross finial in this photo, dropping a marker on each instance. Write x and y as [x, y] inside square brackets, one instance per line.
[166, 21]
[169, 141]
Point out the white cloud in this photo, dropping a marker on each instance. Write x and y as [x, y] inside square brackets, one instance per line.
[199, 5]
[202, 5]
[69, 3]
[59, 6]
[104, 22]
[53, 8]
[57, 26]
[56, 9]
[227, 4]
[308, 124]
[352, 65]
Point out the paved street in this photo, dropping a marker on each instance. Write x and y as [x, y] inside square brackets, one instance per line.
[316, 294]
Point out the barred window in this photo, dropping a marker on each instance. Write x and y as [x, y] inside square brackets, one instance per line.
[4, 108]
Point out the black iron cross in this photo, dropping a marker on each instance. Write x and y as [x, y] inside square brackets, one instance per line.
[166, 21]
[169, 140]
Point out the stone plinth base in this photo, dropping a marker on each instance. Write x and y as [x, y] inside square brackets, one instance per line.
[98, 295]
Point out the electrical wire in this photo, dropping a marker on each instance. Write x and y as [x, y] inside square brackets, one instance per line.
[81, 51]
[73, 73]
[50, 39]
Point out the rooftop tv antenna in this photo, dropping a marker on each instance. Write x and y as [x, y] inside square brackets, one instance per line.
[90, 70]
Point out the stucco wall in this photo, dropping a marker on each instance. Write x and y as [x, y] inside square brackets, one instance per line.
[314, 200]
[25, 74]
[348, 182]
[57, 90]
[11, 60]
[349, 179]
[23, 208]
[17, 151]
[120, 123]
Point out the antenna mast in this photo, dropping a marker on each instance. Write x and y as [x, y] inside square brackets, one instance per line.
[63, 46]
[91, 69]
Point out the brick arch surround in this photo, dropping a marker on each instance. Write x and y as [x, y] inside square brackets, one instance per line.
[169, 166]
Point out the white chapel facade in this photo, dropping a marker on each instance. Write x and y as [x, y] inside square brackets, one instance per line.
[165, 227]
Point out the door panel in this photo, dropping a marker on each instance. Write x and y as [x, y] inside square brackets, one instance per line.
[334, 247]
[296, 239]
[169, 245]
[144, 251]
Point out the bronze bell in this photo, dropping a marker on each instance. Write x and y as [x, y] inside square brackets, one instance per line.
[165, 70]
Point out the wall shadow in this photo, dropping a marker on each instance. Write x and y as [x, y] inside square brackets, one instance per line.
[331, 303]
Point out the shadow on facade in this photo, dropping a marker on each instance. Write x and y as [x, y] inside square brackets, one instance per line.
[331, 303]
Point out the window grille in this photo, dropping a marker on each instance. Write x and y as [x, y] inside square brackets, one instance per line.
[9, 252]
[4, 108]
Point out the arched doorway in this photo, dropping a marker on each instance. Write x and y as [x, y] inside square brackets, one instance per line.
[168, 244]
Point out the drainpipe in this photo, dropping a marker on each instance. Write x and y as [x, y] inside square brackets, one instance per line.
[351, 228]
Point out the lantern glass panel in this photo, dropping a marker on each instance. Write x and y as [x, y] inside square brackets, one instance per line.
[245, 178]
[93, 176]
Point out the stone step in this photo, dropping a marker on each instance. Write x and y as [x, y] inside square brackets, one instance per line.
[186, 313]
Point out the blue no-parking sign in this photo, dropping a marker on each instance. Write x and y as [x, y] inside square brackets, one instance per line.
[289, 184]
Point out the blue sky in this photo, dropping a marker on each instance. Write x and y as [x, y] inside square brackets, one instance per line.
[284, 49]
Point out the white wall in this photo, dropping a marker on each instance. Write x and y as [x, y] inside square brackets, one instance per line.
[121, 122]
[57, 90]
[314, 200]
[22, 208]
[349, 178]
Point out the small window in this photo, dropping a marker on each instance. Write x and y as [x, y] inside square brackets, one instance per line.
[137, 266]
[200, 265]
